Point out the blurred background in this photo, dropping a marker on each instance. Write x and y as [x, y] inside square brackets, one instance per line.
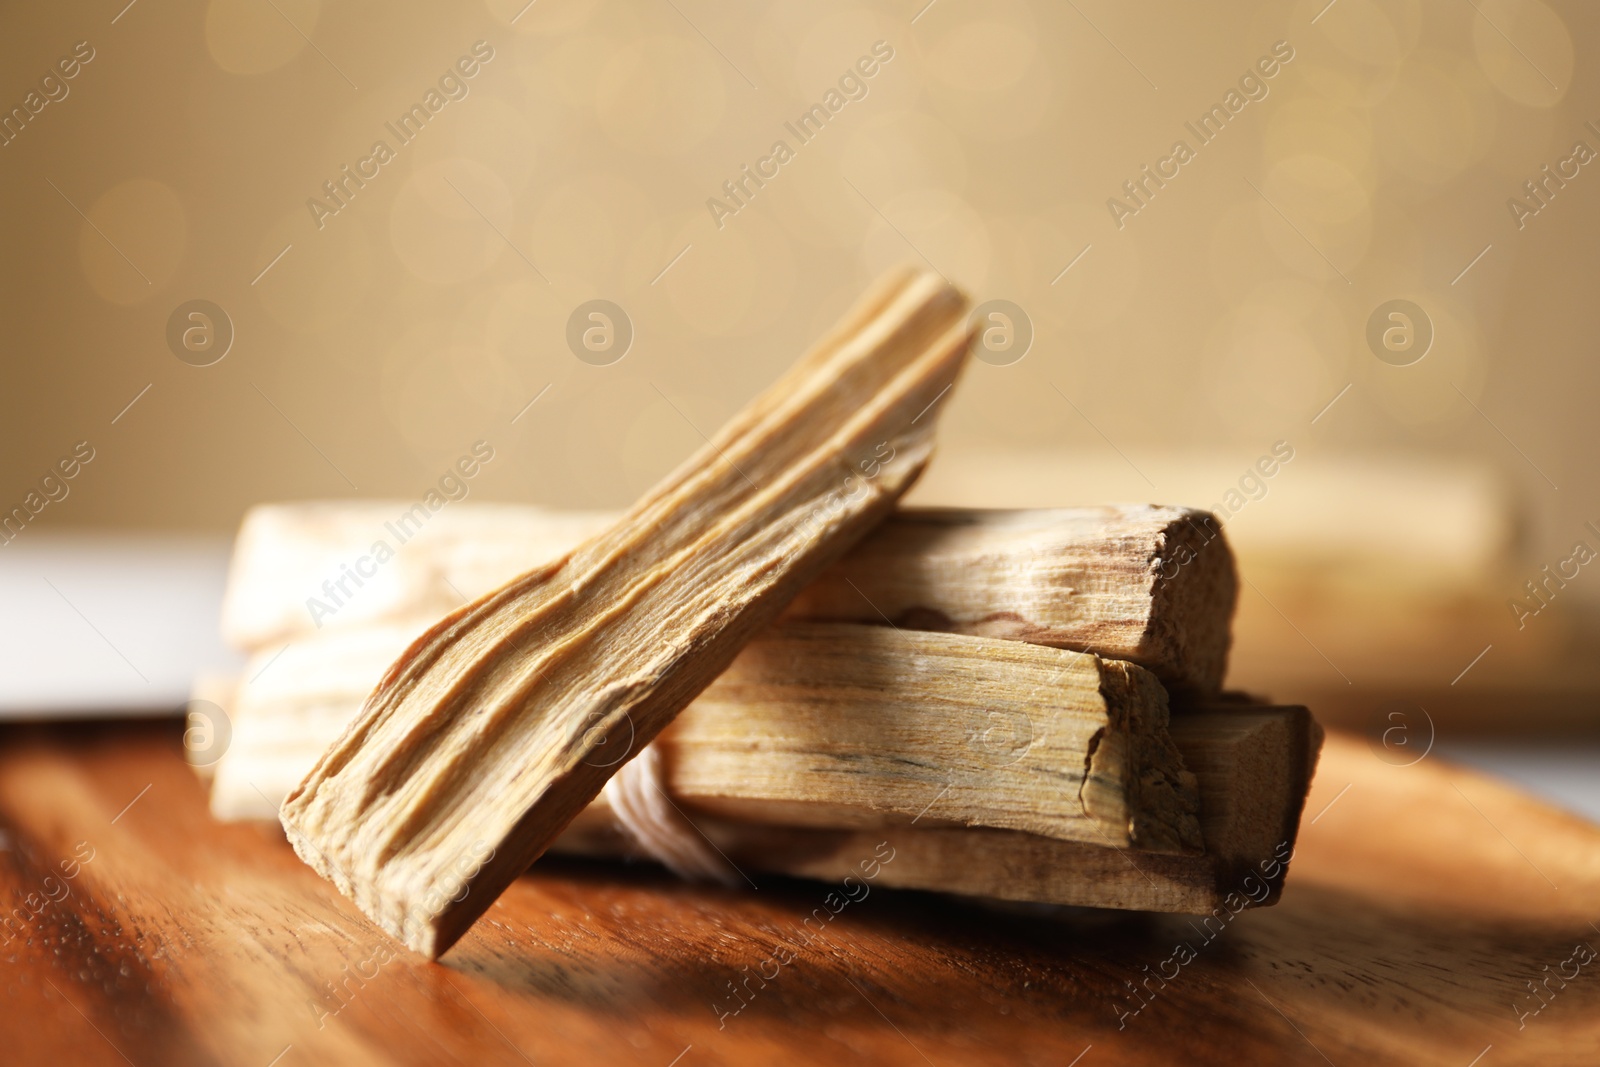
[1369, 253]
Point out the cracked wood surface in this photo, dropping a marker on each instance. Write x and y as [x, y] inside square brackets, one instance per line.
[787, 737]
[1153, 585]
[835, 725]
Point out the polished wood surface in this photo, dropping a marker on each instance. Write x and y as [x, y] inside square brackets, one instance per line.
[1422, 903]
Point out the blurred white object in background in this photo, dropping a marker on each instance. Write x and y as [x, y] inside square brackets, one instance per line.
[108, 625]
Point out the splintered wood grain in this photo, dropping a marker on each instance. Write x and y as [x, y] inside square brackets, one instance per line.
[874, 727]
[1151, 585]
[485, 738]
[1155, 586]
[1407, 931]
[838, 725]
[1253, 766]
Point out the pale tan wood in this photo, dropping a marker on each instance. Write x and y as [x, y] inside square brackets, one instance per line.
[285, 552]
[836, 725]
[205, 740]
[1147, 584]
[1252, 765]
[478, 746]
[1150, 585]
[823, 724]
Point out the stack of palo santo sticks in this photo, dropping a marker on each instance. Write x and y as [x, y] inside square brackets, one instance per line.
[763, 666]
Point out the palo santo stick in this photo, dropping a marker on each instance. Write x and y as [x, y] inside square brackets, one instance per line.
[1253, 764]
[831, 724]
[481, 742]
[286, 552]
[1151, 585]
[826, 724]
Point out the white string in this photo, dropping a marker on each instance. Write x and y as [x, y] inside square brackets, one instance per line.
[638, 800]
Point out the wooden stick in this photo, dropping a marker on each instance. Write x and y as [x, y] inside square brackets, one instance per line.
[479, 745]
[285, 552]
[1252, 765]
[1151, 585]
[832, 724]
[827, 724]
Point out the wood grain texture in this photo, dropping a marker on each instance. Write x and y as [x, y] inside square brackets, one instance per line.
[1385, 614]
[284, 552]
[825, 724]
[1151, 585]
[1254, 765]
[732, 769]
[479, 745]
[1417, 909]
[836, 724]
[1154, 586]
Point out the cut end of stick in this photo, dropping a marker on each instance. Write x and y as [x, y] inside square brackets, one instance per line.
[1135, 783]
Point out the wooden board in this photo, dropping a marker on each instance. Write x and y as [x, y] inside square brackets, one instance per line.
[1420, 901]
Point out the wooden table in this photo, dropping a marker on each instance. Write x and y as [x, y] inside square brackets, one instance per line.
[1422, 902]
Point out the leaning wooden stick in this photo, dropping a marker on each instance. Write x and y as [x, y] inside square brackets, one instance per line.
[1147, 584]
[479, 746]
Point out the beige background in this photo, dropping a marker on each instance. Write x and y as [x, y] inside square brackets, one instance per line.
[1224, 316]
